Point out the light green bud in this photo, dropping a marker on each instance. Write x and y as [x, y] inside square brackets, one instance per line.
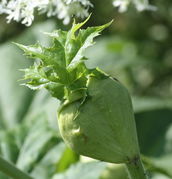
[103, 126]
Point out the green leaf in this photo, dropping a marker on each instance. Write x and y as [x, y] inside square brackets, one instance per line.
[11, 170]
[11, 95]
[90, 170]
[47, 166]
[142, 104]
[161, 165]
[39, 139]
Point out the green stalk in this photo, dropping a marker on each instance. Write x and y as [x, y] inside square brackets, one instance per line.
[136, 169]
[10, 170]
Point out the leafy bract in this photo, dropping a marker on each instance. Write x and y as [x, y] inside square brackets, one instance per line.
[60, 68]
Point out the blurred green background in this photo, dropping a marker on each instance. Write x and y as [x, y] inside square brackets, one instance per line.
[136, 49]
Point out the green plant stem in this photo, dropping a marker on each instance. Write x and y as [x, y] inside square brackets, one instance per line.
[10, 170]
[136, 169]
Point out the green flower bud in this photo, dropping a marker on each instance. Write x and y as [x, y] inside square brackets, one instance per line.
[96, 116]
[103, 126]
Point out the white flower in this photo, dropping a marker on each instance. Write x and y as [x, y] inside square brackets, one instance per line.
[13, 11]
[122, 4]
[143, 5]
[139, 4]
[83, 2]
[23, 10]
[2, 6]
[28, 16]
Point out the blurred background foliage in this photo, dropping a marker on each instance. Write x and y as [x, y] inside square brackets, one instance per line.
[136, 49]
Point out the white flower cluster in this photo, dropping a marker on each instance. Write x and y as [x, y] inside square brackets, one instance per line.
[23, 10]
[139, 4]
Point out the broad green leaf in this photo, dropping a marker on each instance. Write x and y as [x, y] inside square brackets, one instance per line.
[47, 166]
[8, 146]
[117, 171]
[90, 170]
[40, 138]
[48, 105]
[12, 95]
[3, 176]
[160, 176]
[160, 165]
[142, 104]
[152, 127]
